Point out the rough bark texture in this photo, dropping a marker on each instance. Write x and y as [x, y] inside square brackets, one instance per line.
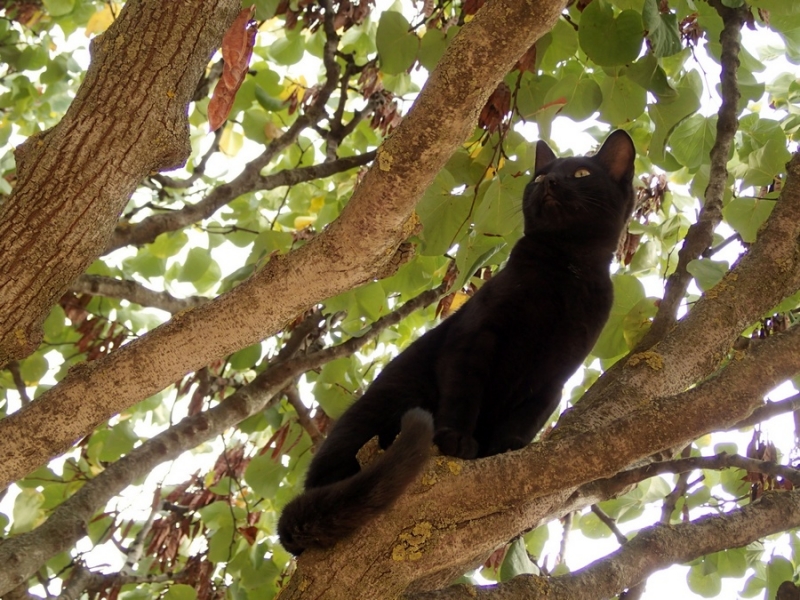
[654, 548]
[128, 119]
[438, 529]
[349, 252]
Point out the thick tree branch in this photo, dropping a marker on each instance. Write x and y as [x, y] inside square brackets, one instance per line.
[135, 292]
[769, 410]
[653, 549]
[701, 233]
[695, 347]
[128, 119]
[249, 180]
[456, 528]
[349, 252]
[24, 554]
[716, 463]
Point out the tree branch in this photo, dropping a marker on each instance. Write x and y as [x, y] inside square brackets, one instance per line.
[702, 340]
[97, 285]
[653, 549]
[348, 252]
[249, 180]
[459, 528]
[24, 554]
[700, 234]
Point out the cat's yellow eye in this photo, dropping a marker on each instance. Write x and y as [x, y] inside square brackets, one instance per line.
[582, 173]
[539, 178]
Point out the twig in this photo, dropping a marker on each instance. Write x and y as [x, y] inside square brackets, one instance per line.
[700, 234]
[716, 463]
[148, 229]
[136, 549]
[610, 523]
[13, 366]
[125, 289]
[769, 410]
[303, 414]
[671, 499]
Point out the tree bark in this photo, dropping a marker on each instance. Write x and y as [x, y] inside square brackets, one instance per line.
[128, 119]
[349, 252]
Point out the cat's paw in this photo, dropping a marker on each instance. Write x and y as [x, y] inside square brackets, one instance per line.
[455, 443]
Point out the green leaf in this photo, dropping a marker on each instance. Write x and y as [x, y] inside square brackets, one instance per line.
[397, 47]
[118, 441]
[648, 73]
[264, 475]
[517, 562]
[168, 244]
[55, 324]
[330, 390]
[662, 29]
[443, 214]
[667, 114]
[180, 591]
[27, 511]
[706, 272]
[58, 8]
[628, 292]
[581, 94]
[766, 163]
[623, 100]
[779, 569]
[610, 41]
[246, 357]
[746, 215]
[33, 368]
[197, 263]
[692, 140]
[702, 583]
[288, 50]
[499, 212]
[536, 539]
[433, 45]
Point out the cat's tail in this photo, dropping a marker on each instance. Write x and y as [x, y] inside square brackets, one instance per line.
[321, 516]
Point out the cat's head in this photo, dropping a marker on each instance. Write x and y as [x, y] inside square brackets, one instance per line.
[588, 197]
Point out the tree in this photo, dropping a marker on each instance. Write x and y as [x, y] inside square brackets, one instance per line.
[314, 269]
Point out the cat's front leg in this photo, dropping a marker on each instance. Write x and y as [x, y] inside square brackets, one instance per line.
[523, 421]
[462, 371]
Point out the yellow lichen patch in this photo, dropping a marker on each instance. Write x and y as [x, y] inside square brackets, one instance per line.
[384, 160]
[429, 478]
[455, 467]
[412, 544]
[652, 359]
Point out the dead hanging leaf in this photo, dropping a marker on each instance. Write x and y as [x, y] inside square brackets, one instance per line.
[527, 61]
[237, 47]
[496, 110]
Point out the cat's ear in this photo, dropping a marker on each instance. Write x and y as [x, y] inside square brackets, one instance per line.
[617, 155]
[544, 155]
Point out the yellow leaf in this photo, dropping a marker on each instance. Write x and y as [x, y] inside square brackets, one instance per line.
[231, 142]
[317, 202]
[299, 86]
[459, 298]
[100, 21]
[303, 222]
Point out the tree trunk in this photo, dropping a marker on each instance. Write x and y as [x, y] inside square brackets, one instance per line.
[348, 253]
[128, 119]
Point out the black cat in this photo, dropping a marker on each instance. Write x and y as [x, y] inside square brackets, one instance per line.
[492, 373]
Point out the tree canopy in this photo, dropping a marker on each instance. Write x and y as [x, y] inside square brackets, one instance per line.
[185, 312]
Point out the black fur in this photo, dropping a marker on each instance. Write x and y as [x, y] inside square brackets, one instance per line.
[492, 373]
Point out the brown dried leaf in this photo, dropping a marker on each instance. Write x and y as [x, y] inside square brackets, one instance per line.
[237, 47]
